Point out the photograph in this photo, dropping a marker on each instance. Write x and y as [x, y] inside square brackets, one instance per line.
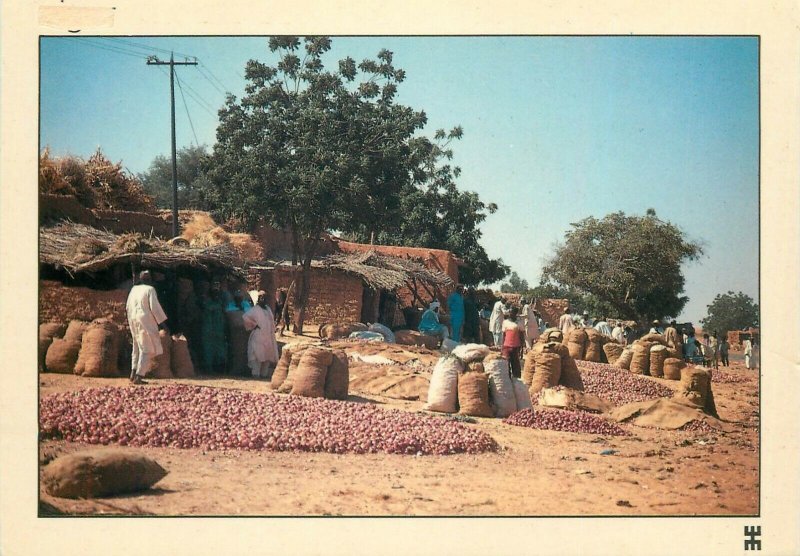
[401, 276]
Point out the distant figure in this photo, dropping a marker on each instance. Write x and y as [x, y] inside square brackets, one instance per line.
[748, 353]
[602, 327]
[586, 322]
[513, 338]
[723, 351]
[532, 331]
[619, 333]
[691, 350]
[280, 303]
[713, 343]
[240, 302]
[455, 306]
[565, 323]
[496, 322]
[472, 325]
[262, 348]
[656, 328]
[672, 337]
[145, 318]
[214, 345]
[429, 324]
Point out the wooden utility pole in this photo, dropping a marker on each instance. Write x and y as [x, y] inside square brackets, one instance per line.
[154, 61]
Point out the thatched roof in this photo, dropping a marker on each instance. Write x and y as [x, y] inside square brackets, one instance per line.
[386, 272]
[78, 248]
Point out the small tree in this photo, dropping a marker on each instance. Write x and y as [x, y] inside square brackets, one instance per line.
[515, 284]
[731, 311]
[192, 180]
[630, 265]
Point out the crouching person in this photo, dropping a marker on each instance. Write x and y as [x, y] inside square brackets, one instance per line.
[429, 324]
[262, 347]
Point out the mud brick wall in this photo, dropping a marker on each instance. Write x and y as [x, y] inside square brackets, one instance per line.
[122, 221]
[334, 296]
[551, 309]
[61, 303]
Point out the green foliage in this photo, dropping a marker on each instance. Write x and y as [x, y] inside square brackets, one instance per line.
[192, 181]
[731, 311]
[515, 284]
[629, 265]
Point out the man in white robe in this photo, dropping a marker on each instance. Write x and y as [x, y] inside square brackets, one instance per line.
[496, 322]
[532, 331]
[565, 323]
[262, 348]
[145, 317]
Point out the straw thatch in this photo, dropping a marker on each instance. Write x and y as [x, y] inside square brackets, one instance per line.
[386, 272]
[78, 248]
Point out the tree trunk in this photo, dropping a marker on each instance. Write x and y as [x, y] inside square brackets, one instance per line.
[301, 295]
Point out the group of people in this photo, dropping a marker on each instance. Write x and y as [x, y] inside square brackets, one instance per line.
[146, 318]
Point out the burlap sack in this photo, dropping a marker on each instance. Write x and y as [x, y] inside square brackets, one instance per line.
[570, 374]
[62, 355]
[695, 386]
[44, 344]
[548, 369]
[625, 358]
[74, 331]
[288, 382]
[309, 377]
[99, 473]
[414, 338]
[282, 369]
[182, 366]
[475, 367]
[654, 338]
[529, 367]
[337, 381]
[501, 388]
[334, 331]
[577, 343]
[99, 351]
[521, 395]
[162, 364]
[613, 351]
[551, 335]
[238, 337]
[47, 332]
[443, 391]
[471, 352]
[673, 367]
[640, 362]
[658, 354]
[676, 352]
[473, 394]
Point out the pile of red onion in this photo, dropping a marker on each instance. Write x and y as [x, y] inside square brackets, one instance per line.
[698, 425]
[722, 377]
[563, 420]
[619, 386]
[184, 416]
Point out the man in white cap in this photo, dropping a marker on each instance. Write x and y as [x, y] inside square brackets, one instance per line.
[429, 324]
[145, 318]
[262, 347]
[496, 322]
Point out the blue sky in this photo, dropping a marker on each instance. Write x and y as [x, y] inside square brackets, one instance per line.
[555, 128]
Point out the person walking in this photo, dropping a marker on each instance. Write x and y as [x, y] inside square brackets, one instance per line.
[513, 339]
[723, 351]
[532, 331]
[565, 323]
[455, 306]
[262, 347]
[280, 303]
[145, 319]
[496, 322]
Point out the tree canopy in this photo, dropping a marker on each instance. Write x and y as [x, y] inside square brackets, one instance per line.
[629, 265]
[515, 284]
[316, 150]
[731, 311]
[192, 181]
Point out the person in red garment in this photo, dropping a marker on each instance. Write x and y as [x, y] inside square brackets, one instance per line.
[513, 340]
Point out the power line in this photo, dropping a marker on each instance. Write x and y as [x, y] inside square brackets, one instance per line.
[180, 88]
[110, 48]
[148, 48]
[208, 69]
[207, 78]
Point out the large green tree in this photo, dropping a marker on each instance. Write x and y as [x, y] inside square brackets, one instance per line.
[314, 149]
[631, 265]
[192, 180]
[730, 311]
[435, 213]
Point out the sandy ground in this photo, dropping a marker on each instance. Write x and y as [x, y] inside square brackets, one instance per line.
[654, 472]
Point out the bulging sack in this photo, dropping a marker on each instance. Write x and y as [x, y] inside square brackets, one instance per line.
[613, 352]
[443, 391]
[294, 362]
[501, 388]
[673, 367]
[695, 386]
[521, 395]
[577, 343]
[548, 369]
[473, 394]
[100, 473]
[99, 351]
[75, 329]
[384, 331]
[334, 331]
[414, 338]
[471, 352]
[309, 377]
[162, 364]
[625, 358]
[448, 345]
[640, 361]
[62, 355]
[654, 338]
[337, 381]
[282, 369]
[529, 366]
[658, 354]
[182, 366]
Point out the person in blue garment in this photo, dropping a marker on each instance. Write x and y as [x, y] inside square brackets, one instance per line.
[429, 324]
[455, 305]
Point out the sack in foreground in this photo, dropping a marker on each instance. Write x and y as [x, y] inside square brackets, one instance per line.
[100, 473]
